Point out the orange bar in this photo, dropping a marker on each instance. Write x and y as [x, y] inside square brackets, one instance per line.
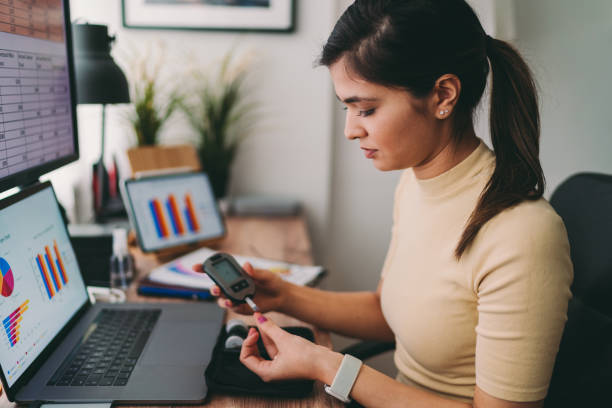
[192, 213]
[162, 220]
[46, 273]
[61, 263]
[175, 214]
[53, 268]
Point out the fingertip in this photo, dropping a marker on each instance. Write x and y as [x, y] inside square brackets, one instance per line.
[221, 303]
[251, 336]
[248, 268]
[197, 268]
[259, 317]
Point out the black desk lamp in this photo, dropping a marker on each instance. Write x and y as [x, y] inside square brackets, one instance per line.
[99, 81]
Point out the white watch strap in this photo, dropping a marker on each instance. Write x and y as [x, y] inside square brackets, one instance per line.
[345, 378]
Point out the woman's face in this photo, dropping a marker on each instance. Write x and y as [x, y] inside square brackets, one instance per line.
[394, 129]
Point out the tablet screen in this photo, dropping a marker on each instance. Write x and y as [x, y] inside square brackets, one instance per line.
[172, 210]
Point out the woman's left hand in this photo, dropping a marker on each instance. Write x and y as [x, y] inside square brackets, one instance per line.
[292, 357]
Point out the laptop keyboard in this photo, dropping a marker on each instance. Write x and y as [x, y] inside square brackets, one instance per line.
[109, 349]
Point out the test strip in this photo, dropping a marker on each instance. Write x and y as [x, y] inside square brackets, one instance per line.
[251, 303]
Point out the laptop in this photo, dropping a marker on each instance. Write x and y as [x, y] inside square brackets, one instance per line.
[56, 346]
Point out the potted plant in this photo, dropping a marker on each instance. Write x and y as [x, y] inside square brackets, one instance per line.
[221, 115]
[152, 102]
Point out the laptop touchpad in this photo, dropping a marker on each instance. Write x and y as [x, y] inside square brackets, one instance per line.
[181, 343]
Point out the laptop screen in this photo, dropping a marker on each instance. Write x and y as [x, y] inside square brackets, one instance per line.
[173, 209]
[41, 286]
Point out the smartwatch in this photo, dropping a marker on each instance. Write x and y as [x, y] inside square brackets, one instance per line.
[345, 378]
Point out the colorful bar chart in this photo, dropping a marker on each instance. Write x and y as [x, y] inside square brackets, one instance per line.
[180, 220]
[12, 323]
[52, 270]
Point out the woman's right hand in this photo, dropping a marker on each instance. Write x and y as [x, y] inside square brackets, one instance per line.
[269, 291]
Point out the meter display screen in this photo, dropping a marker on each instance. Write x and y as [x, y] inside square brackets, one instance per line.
[227, 271]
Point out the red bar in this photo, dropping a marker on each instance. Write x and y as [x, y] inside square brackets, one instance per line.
[53, 268]
[160, 218]
[175, 214]
[192, 213]
[59, 259]
[47, 277]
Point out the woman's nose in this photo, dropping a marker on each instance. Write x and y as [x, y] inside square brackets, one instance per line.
[352, 128]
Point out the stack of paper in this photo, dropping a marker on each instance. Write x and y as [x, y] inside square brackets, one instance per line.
[179, 272]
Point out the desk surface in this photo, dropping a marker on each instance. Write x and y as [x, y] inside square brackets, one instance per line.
[283, 239]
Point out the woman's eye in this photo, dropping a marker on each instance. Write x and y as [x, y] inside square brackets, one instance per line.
[365, 113]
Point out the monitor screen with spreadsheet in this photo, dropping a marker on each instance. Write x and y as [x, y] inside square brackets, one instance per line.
[37, 96]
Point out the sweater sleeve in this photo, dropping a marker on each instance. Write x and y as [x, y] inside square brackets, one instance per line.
[522, 274]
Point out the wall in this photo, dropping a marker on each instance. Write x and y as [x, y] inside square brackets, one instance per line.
[288, 154]
[569, 46]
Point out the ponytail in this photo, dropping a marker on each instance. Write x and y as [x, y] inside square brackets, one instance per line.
[515, 134]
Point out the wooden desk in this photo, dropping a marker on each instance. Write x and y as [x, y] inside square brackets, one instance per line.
[283, 239]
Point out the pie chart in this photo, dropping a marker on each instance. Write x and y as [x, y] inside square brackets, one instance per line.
[7, 283]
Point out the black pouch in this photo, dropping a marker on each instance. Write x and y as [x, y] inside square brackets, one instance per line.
[226, 374]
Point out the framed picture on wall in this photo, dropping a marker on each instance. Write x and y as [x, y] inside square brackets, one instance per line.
[225, 15]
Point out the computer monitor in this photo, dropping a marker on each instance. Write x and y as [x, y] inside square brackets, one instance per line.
[38, 131]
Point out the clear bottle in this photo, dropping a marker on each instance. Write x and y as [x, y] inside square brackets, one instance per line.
[121, 262]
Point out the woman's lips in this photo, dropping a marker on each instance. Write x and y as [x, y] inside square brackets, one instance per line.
[369, 153]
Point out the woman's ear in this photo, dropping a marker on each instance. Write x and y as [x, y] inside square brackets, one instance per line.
[445, 95]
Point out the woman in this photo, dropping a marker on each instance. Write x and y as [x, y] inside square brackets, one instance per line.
[475, 286]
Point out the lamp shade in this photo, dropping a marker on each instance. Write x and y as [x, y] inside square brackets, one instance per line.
[98, 79]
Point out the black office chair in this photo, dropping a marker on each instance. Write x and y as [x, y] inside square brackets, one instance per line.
[583, 369]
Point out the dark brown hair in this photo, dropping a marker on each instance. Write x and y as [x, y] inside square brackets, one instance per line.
[409, 44]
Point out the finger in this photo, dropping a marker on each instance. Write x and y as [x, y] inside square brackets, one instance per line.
[198, 268]
[249, 345]
[215, 290]
[257, 274]
[221, 303]
[248, 268]
[227, 304]
[270, 333]
[249, 354]
[268, 327]
[269, 345]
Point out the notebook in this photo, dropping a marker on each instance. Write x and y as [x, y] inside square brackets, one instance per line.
[179, 271]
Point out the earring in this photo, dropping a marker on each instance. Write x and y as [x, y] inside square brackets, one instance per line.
[444, 112]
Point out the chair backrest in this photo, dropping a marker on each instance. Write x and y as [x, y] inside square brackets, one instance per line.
[583, 369]
[584, 202]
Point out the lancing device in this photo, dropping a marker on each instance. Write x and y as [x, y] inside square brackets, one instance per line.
[235, 283]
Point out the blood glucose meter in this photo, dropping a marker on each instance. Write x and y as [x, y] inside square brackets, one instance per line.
[235, 283]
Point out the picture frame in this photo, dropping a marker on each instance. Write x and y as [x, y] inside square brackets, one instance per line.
[217, 15]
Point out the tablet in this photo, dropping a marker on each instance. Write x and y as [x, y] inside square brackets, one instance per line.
[172, 210]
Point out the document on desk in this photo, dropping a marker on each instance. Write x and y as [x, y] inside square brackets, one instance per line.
[179, 272]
